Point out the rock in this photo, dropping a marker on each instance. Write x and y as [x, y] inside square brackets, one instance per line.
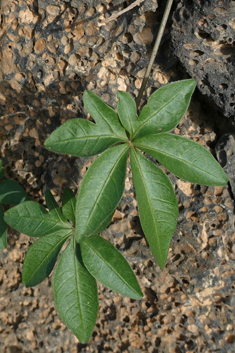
[203, 35]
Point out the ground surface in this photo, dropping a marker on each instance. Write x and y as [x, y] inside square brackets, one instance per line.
[189, 306]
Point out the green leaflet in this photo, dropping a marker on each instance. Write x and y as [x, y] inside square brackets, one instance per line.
[103, 115]
[69, 204]
[41, 258]
[3, 230]
[11, 192]
[127, 112]
[183, 157]
[33, 219]
[165, 108]
[81, 138]
[108, 266]
[54, 207]
[101, 191]
[158, 208]
[75, 293]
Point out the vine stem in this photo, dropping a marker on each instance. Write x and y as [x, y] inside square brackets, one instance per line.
[155, 50]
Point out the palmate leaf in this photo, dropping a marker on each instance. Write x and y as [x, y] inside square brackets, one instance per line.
[165, 108]
[54, 208]
[33, 219]
[11, 192]
[100, 191]
[108, 266]
[3, 230]
[82, 138]
[69, 204]
[41, 258]
[158, 208]
[183, 157]
[127, 112]
[75, 293]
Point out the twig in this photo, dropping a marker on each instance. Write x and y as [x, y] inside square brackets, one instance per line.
[155, 50]
[135, 3]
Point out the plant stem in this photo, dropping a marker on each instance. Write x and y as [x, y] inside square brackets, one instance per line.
[155, 50]
[131, 6]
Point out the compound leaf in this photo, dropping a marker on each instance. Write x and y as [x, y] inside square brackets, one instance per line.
[41, 258]
[185, 158]
[127, 111]
[54, 207]
[158, 208]
[11, 192]
[32, 219]
[3, 230]
[104, 115]
[100, 191]
[69, 204]
[108, 266]
[75, 293]
[165, 108]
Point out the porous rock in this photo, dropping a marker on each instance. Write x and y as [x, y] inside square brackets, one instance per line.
[203, 37]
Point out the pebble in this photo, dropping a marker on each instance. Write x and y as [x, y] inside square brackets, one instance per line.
[230, 339]
[40, 46]
[53, 10]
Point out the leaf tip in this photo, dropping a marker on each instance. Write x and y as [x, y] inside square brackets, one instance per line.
[47, 143]
[139, 295]
[119, 95]
[162, 266]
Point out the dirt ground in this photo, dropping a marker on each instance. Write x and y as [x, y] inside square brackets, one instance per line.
[188, 307]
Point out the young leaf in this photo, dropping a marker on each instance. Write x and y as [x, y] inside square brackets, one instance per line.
[75, 293]
[32, 219]
[108, 266]
[103, 114]
[127, 111]
[81, 138]
[3, 230]
[100, 191]
[158, 208]
[11, 192]
[185, 158]
[165, 108]
[69, 204]
[54, 207]
[41, 258]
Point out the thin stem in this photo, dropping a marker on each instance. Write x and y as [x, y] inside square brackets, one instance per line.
[131, 6]
[155, 50]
